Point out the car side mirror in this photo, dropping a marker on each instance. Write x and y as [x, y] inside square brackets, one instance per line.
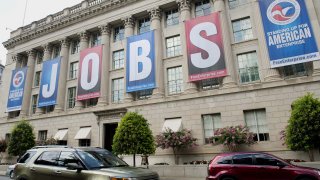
[73, 166]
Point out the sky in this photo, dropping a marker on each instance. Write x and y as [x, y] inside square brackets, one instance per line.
[12, 15]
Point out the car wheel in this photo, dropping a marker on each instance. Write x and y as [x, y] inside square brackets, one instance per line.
[227, 178]
[11, 174]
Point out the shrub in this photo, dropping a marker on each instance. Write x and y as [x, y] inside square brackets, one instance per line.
[49, 141]
[233, 136]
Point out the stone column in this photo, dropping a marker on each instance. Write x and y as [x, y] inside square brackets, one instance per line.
[16, 58]
[25, 109]
[229, 80]
[155, 15]
[105, 75]
[47, 51]
[128, 31]
[267, 72]
[63, 76]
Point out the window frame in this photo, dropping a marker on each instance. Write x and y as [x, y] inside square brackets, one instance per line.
[171, 17]
[201, 4]
[119, 89]
[42, 135]
[37, 79]
[142, 27]
[175, 84]
[295, 73]
[120, 60]
[246, 33]
[34, 103]
[73, 71]
[176, 48]
[84, 142]
[265, 135]
[249, 71]
[118, 33]
[75, 46]
[210, 140]
[72, 99]
[95, 39]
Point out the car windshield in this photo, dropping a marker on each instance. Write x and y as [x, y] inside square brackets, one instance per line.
[100, 159]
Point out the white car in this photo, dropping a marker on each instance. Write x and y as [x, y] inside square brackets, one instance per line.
[10, 171]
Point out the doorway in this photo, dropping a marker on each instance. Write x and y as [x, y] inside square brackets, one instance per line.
[109, 131]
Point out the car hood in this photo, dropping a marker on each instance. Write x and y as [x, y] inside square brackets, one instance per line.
[128, 172]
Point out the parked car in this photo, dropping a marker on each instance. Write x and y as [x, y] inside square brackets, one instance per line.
[9, 171]
[65, 163]
[253, 166]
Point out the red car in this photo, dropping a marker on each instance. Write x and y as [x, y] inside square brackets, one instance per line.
[257, 166]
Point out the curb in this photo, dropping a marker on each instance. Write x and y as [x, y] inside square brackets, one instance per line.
[2, 173]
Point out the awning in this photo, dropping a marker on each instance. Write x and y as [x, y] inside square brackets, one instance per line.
[83, 133]
[61, 135]
[174, 124]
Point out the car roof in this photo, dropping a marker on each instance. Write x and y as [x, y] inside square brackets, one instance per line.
[59, 148]
[239, 153]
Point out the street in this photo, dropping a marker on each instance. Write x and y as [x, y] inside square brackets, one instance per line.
[4, 178]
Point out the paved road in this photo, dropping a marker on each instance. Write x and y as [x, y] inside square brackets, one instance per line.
[4, 178]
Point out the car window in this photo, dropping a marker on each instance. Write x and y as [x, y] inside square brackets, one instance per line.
[242, 159]
[67, 158]
[265, 160]
[48, 158]
[225, 160]
[26, 157]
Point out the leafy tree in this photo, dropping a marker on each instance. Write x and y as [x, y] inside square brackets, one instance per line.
[303, 131]
[133, 136]
[3, 147]
[22, 138]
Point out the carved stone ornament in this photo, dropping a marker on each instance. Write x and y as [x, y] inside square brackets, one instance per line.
[47, 48]
[105, 29]
[184, 4]
[155, 13]
[64, 42]
[31, 53]
[83, 36]
[128, 21]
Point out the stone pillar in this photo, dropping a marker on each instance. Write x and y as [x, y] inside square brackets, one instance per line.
[25, 109]
[266, 71]
[155, 15]
[105, 75]
[16, 58]
[63, 76]
[47, 51]
[229, 80]
[128, 31]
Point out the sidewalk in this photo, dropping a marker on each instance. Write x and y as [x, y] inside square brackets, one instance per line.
[2, 173]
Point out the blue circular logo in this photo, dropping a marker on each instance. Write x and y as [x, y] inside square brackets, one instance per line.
[283, 12]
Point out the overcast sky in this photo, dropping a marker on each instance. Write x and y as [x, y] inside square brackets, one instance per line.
[12, 13]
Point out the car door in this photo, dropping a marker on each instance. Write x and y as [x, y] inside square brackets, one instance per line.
[43, 167]
[242, 167]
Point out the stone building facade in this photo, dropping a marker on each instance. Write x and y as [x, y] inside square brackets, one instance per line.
[252, 93]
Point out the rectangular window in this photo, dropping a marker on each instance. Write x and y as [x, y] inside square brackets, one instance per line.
[71, 97]
[75, 46]
[118, 33]
[173, 46]
[257, 123]
[248, 67]
[175, 80]
[117, 90]
[144, 94]
[236, 3]
[48, 109]
[91, 102]
[144, 25]
[208, 84]
[172, 17]
[34, 103]
[95, 39]
[84, 142]
[56, 51]
[242, 29]
[118, 59]
[42, 135]
[14, 114]
[39, 57]
[37, 76]
[211, 123]
[73, 70]
[203, 8]
[295, 70]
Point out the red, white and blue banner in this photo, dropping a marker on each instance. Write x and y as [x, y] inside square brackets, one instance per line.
[16, 89]
[288, 32]
[140, 62]
[205, 48]
[89, 79]
[49, 82]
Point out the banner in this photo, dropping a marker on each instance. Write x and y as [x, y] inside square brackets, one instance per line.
[140, 62]
[49, 82]
[288, 32]
[16, 89]
[205, 48]
[89, 80]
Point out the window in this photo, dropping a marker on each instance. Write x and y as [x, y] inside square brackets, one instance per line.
[62, 142]
[256, 121]
[118, 59]
[213, 83]
[95, 39]
[172, 17]
[265, 160]
[295, 70]
[144, 25]
[73, 70]
[248, 67]
[39, 57]
[173, 46]
[211, 123]
[144, 94]
[14, 114]
[67, 158]
[75, 46]
[242, 29]
[118, 33]
[27, 156]
[48, 158]
[175, 124]
[34, 103]
[37, 76]
[71, 97]
[175, 81]
[42, 135]
[91, 102]
[235, 3]
[56, 51]
[225, 160]
[203, 8]
[245, 159]
[48, 109]
[117, 90]
[84, 142]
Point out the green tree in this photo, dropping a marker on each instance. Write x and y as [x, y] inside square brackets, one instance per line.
[3, 147]
[303, 131]
[133, 136]
[22, 138]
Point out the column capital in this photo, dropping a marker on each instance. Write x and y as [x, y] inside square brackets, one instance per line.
[16, 57]
[184, 4]
[155, 13]
[31, 53]
[83, 35]
[128, 21]
[64, 42]
[47, 47]
[105, 29]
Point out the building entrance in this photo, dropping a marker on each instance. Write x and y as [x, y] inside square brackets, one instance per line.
[109, 131]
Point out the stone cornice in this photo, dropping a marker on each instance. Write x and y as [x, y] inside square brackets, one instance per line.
[59, 20]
